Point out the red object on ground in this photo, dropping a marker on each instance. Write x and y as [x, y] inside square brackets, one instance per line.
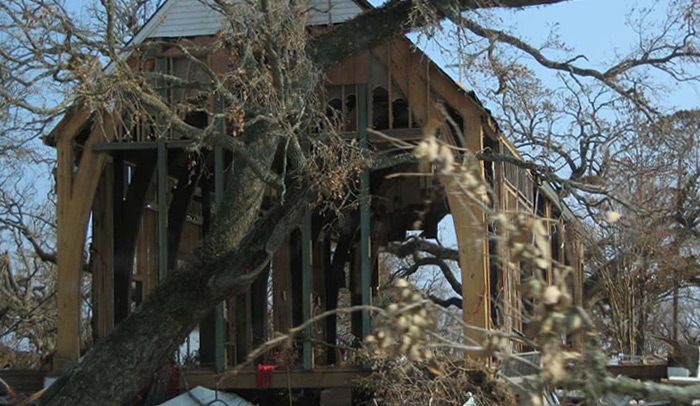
[263, 378]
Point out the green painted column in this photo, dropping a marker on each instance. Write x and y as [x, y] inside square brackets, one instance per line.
[220, 330]
[365, 238]
[162, 183]
[162, 168]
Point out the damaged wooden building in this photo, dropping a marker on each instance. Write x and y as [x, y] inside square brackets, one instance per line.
[136, 202]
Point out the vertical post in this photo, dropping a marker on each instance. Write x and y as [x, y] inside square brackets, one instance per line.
[471, 228]
[162, 169]
[162, 209]
[306, 286]
[364, 212]
[68, 286]
[103, 262]
[220, 333]
[72, 217]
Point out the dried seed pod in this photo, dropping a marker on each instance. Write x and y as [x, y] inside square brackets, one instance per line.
[551, 295]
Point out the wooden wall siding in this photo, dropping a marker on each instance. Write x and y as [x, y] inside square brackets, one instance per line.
[75, 198]
[351, 71]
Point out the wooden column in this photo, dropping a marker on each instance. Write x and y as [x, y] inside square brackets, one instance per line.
[321, 268]
[126, 233]
[258, 308]
[212, 329]
[470, 227]
[282, 288]
[102, 255]
[75, 190]
[243, 329]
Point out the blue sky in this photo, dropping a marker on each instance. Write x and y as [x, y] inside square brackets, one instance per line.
[598, 29]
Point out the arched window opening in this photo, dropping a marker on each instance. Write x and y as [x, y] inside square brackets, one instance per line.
[380, 108]
[198, 119]
[351, 115]
[399, 109]
[458, 132]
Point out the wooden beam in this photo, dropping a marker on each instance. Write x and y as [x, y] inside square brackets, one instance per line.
[126, 233]
[139, 145]
[70, 125]
[281, 379]
[75, 198]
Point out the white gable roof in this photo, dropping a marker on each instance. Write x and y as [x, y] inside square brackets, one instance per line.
[203, 396]
[190, 18]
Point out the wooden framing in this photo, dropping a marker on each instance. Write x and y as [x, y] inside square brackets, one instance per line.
[152, 221]
[470, 228]
[76, 190]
